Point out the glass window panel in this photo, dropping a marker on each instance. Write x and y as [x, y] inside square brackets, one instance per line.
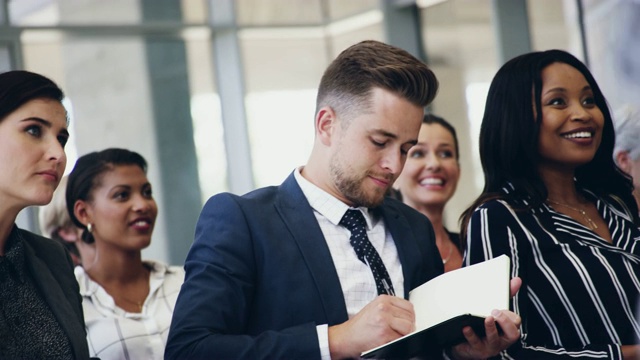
[282, 72]
[281, 132]
[339, 9]
[5, 58]
[460, 33]
[346, 32]
[283, 68]
[194, 11]
[612, 33]
[460, 48]
[209, 142]
[282, 59]
[107, 80]
[92, 12]
[279, 12]
[207, 115]
[33, 13]
[547, 25]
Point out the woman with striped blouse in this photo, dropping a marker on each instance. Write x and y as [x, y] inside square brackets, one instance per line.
[558, 206]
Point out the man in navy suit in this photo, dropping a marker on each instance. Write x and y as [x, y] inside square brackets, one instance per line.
[272, 274]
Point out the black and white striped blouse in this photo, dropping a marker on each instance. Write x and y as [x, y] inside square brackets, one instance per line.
[579, 297]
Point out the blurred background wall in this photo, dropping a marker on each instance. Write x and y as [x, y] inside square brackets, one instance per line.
[219, 95]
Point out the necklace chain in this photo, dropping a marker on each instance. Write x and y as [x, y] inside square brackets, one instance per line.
[137, 303]
[445, 260]
[592, 225]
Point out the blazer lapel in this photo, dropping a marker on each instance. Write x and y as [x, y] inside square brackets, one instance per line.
[55, 297]
[298, 216]
[405, 242]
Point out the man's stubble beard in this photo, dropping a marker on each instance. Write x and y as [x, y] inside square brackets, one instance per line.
[351, 185]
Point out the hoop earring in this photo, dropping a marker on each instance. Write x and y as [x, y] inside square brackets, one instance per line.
[89, 227]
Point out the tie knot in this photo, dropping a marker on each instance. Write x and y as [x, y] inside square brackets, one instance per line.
[353, 219]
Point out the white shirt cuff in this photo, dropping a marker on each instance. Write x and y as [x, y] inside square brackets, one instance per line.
[323, 340]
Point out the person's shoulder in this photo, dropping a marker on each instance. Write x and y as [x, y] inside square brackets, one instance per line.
[496, 203]
[288, 193]
[503, 212]
[163, 270]
[80, 274]
[41, 244]
[617, 205]
[507, 198]
[228, 205]
[175, 271]
[49, 252]
[86, 285]
[394, 203]
[411, 214]
[258, 195]
[171, 276]
[174, 276]
[495, 206]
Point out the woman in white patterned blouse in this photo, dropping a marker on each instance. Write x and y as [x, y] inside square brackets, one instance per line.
[127, 302]
[558, 206]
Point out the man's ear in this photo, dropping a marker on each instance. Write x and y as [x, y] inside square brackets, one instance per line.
[325, 124]
[624, 161]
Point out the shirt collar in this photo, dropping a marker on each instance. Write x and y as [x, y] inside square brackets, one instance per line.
[326, 204]
[510, 189]
[158, 271]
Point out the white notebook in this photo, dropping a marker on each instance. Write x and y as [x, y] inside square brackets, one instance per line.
[447, 303]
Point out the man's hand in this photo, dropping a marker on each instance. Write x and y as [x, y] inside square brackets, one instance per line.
[384, 319]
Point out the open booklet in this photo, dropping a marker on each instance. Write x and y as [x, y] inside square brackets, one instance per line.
[449, 302]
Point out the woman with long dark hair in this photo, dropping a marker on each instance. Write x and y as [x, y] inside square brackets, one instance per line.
[558, 206]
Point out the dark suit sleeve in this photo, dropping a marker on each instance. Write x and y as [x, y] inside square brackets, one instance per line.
[212, 317]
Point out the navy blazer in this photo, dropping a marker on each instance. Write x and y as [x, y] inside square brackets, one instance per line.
[260, 277]
[51, 268]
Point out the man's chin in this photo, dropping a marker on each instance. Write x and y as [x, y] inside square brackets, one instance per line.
[369, 201]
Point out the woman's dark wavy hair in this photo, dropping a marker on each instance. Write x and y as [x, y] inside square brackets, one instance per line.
[87, 174]
[18, 87]
[509, 137]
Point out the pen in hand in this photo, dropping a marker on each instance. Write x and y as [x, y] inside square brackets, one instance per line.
[388, 288]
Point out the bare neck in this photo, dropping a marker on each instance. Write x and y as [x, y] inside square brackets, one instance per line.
[561, 187]
[116, 267]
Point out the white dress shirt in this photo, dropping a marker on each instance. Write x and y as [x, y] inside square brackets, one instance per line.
[356, 278]
[113, 333]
